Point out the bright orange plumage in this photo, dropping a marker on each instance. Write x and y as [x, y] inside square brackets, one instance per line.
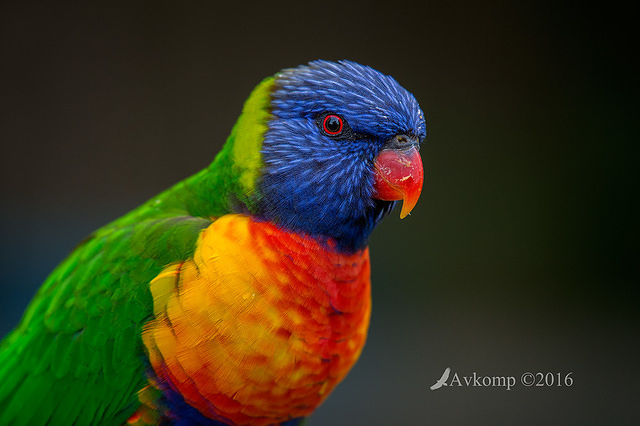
[261, 324]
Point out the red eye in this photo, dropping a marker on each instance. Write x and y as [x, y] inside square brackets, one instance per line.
[332, 125]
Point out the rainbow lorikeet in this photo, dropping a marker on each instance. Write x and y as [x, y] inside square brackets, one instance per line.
[241, 295]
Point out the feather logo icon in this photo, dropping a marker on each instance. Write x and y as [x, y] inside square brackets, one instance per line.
[442, 380]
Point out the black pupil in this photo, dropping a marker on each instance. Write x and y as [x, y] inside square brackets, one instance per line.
[333, 124]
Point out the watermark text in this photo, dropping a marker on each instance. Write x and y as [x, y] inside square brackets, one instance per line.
[527, 379]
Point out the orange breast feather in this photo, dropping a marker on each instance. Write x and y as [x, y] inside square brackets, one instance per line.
[261, 325]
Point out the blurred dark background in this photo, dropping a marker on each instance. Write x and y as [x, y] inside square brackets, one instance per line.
[521, 255]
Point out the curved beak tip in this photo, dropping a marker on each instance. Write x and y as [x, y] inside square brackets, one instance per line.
[399, 175]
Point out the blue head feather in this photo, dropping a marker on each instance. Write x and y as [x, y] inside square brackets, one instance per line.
[321, 185]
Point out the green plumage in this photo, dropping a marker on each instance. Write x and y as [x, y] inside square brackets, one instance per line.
[83, 328]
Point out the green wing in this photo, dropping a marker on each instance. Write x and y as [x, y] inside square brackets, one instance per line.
[77, 356]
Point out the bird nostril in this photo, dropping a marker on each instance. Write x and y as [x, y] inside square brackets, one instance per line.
[401, 141]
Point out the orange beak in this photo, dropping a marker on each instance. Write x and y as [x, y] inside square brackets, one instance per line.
[399, 176]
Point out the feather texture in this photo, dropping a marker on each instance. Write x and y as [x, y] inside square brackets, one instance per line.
[290, 320]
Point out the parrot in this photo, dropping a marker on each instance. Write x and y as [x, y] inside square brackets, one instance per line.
[242, 294]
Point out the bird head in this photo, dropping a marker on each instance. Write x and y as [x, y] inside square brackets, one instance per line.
[332, 147]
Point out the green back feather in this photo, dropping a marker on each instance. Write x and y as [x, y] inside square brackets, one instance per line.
[77, 355]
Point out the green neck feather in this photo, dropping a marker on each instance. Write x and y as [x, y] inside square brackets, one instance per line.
[236, 168]
[230, 181]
